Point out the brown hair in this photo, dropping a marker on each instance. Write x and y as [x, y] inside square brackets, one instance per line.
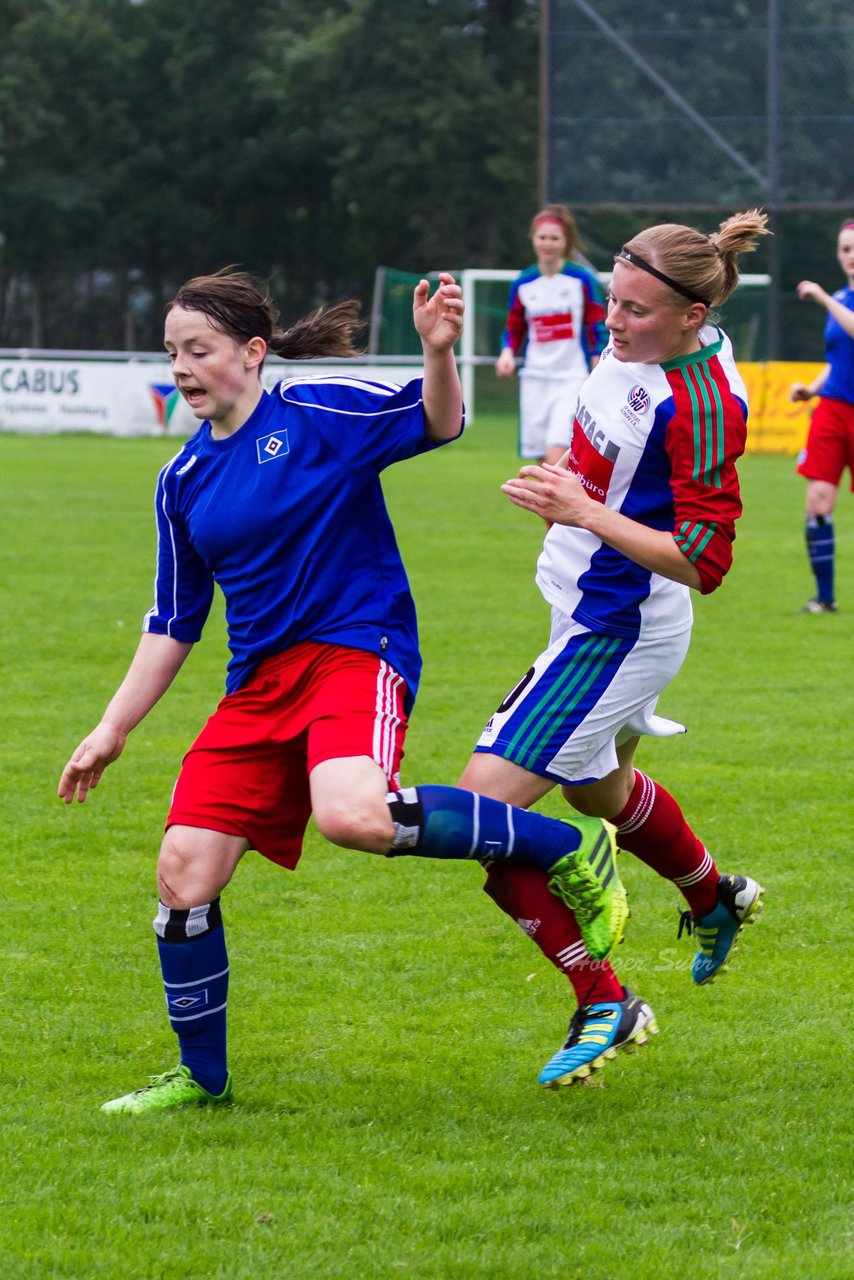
[702, 265]
[559, 213]
[240, 306]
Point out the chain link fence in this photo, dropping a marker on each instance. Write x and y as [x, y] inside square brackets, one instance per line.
[682, 111]
[707, 103]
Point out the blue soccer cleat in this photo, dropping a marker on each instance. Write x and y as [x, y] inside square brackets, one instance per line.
[596, 1032]
[739, 904]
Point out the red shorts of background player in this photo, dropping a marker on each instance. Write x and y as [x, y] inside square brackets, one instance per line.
[247, 772]
[830, 443]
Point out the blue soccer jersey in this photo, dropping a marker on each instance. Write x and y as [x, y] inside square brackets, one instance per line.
[287, 516]
[839, 384]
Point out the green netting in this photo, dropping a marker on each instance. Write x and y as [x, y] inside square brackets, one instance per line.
[392, 333]
[490, 316]
[744, 317]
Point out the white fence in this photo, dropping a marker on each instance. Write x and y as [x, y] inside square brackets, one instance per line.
[132, 393]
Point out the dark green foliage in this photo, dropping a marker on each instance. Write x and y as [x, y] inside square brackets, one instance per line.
[146, 142]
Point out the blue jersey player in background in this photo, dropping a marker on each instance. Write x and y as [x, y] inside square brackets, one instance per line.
[830, 441]
[277, 499]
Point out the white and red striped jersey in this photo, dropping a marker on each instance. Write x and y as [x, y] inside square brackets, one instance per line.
[558, 320]
[658, 443]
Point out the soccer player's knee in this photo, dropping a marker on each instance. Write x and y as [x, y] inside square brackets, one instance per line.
[821, 498]
[585, 805]
[176, 875]
[361, 824]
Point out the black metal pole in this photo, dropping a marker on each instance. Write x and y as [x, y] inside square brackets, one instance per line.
[774, 180]
[545, 107]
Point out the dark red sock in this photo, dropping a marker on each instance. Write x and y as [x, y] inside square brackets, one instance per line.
[653, 828]
[523, 893]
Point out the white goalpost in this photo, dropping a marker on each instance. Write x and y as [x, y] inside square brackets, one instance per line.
[469, 358]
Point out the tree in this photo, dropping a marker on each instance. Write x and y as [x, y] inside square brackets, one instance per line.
[309, 141]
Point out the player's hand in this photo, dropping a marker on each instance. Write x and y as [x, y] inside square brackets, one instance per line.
[809, 289]
[799, 391]
[438, 320]
[83, 771]
[505, 365]
[550, 491]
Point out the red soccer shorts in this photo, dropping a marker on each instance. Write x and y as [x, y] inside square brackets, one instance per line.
[830, 443]
[247, 772]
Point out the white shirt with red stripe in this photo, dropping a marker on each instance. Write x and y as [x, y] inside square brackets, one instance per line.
[658, 443]
[559, 320]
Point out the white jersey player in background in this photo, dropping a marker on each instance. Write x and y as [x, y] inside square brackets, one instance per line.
[556, 317]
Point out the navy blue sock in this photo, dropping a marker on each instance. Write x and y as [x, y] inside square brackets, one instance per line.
[446, 822]
[821, 549]
[194, 964]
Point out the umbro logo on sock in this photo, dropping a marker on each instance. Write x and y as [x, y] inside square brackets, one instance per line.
[189, 1000]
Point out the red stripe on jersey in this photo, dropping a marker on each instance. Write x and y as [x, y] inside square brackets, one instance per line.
[704, 439]
[589, 465]
[553, 328]
[517, 327]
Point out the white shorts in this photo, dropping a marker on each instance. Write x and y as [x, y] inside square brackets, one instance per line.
[584, 696]
[546, 413]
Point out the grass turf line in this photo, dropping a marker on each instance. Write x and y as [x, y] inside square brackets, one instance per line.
[387, 1023]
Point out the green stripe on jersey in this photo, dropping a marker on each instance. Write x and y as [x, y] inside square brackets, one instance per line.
[715, 463]
[707, 413]
[692, 539]
[569, 690]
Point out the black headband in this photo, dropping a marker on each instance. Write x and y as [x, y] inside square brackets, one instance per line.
[637, 261]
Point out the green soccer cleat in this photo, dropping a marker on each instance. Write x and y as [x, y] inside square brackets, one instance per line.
[589, 883]
[174, 1088]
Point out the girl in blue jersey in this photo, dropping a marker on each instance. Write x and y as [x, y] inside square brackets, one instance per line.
[277, 499]
[556, 317]
[830, 442]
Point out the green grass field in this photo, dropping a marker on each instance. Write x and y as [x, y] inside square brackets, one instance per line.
[387, 1023]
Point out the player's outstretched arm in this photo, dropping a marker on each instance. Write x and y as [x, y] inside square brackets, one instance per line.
[799, 391]
[156, 662]
[439, 324]
[841, 314]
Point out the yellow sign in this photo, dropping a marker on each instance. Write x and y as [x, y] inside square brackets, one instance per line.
[775, 424]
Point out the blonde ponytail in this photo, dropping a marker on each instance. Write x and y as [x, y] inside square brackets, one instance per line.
[701, 265]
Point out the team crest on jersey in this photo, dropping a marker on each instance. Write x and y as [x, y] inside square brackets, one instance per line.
[637, 404]
[639, 399]
[272, 446]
